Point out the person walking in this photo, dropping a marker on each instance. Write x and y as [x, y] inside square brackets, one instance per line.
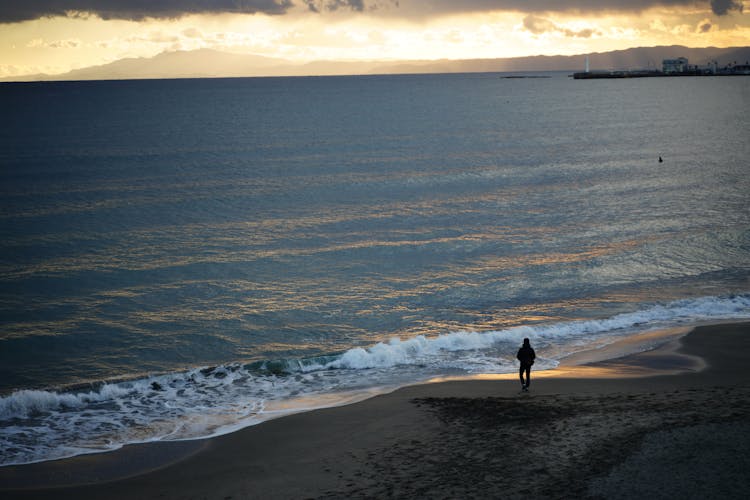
[526, 356]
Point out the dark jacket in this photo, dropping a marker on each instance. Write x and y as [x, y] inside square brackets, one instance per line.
[526, 355]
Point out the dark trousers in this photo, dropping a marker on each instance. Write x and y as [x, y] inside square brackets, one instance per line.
[527, 369]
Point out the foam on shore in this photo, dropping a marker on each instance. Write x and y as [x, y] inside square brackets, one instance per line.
[37, 425]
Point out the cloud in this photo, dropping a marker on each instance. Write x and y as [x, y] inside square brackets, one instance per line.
[539, 26]
[24, 10]
[704, 26]
[425, 8]
[69, 43]
[135, 10]
[587, 33]
[192, 33]
[722, 7]
[333, 5]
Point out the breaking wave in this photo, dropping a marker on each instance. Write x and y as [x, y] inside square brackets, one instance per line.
[38, 425]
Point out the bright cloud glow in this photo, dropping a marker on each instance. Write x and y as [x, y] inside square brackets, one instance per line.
[58, 44]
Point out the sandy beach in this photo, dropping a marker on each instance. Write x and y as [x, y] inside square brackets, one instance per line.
[668, 423]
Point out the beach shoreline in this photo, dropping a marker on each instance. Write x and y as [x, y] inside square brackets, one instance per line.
[582, 431]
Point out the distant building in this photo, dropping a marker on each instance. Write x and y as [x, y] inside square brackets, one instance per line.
[679, 65]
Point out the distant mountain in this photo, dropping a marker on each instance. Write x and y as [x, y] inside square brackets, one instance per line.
[636, 58]
[206, 63]
[179, 64]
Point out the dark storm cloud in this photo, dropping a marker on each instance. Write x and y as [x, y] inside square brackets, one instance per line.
[722, 7]
[332, 5]
[433, 7]
[25, 10]
[427, 8]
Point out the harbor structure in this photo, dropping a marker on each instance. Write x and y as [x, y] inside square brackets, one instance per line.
[679, 66]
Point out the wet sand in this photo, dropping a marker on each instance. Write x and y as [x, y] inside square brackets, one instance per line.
[668, 423]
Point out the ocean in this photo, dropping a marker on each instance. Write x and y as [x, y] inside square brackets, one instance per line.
[184, 258]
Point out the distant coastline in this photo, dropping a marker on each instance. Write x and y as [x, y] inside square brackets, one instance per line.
[670, 68]
[594, 75]
[206, 63]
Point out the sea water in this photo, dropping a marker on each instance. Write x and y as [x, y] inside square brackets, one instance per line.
[182, 258]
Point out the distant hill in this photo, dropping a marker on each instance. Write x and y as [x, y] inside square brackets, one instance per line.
[179, 64]
[636, 58]
[206, 63]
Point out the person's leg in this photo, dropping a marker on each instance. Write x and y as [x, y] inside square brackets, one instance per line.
[528, 375]
[520, 375]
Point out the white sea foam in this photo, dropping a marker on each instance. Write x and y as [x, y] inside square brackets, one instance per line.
[23, 403]
[43, 425]
[420, 349]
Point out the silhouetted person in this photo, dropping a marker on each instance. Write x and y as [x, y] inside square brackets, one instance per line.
[526, 356]
[660, 160]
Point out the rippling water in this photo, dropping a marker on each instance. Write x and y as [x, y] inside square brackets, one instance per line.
[178, 257]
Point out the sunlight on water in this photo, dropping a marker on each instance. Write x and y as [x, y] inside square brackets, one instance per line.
[190, 276]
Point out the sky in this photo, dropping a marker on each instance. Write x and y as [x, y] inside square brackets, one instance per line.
[55, 36]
